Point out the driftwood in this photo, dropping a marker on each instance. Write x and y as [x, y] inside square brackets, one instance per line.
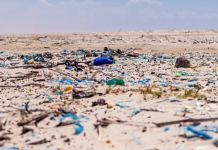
[36, 118]
[93, 76]
[26, 130]
[27, 66]
[66, 111]
[25, 85]
[24, 76]
[26, 108]
[105, 122]
[61, 124]
[185, 121]
[97, 73]
[40, 119]
[38, 142]
[38, 80]
[4, 138]
[64, 74]
[153, 109]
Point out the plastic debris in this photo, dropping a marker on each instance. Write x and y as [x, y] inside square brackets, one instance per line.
[60, 92]
[49, 98]
[68, 88]
[65, 86]
[116, 82]
[79, 129]
[104, 60]
[166, 128]
[199, 133]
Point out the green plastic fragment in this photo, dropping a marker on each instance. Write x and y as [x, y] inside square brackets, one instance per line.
[116, 82]
[60, 92]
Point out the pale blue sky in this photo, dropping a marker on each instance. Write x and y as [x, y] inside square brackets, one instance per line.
[43, 16]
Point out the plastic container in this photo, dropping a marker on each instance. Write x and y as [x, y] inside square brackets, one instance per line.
[103, 60]
[116, 82]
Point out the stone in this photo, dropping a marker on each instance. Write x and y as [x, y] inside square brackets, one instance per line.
[182, 62]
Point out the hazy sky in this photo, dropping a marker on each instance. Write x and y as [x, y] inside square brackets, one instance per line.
[39, 16]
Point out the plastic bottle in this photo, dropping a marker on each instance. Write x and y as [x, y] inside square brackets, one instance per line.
[104, 60]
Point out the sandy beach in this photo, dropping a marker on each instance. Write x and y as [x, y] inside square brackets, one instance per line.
[54, 95]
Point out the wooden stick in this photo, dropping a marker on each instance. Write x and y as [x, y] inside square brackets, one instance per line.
[185, 121]
[117, 33]
[25, 85]
[66, 111]
[26, 130]
[64, 74]
[38, 142]
[37, 117]
[26, 107]
[61, 124]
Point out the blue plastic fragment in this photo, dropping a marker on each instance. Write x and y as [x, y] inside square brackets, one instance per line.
[79, 129]
[72, 116]
[211, 81]
[23, 106]
[137, 140]
[125, 101]
[123, 74]
[199, 133]
[144, 81]
[196, 124]
[66, 81]
[69, 67]
[135, 111]
[66, 51]
[133, 82]
[122, 106]
[191, 85]
[208, 74]
[60, 92]
[163, 84]
[12, 148]
[49, 98]
[84, 117]
[166, 128]
[52, 118]
[191, 80]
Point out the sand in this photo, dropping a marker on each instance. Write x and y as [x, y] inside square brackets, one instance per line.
[133, 131]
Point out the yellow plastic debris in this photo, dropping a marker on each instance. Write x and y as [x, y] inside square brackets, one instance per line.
[87, 69]
[177, 75]
[31, 61]
[68, 88]
[109, 106]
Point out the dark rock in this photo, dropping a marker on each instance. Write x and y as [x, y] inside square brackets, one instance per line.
[106, 49]
[119, 51]
[88, 54]
[47, 55]
[99, 102]
[182, 62]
